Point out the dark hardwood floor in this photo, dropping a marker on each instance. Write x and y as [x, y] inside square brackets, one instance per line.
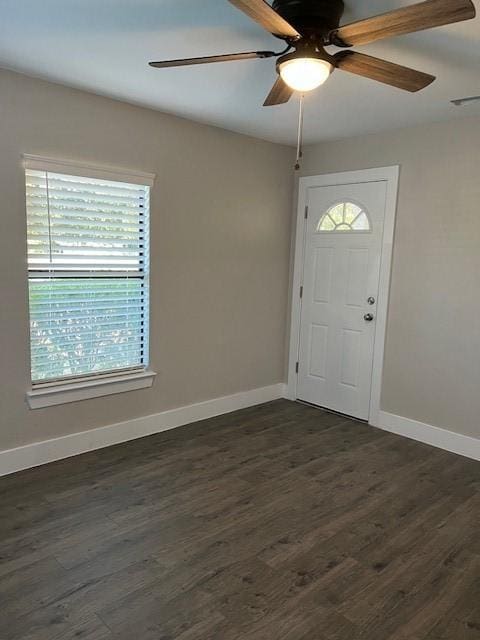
[279, 522]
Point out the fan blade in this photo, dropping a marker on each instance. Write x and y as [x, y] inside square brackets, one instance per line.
[262, 12]
[280, 94]
[382, 71]
[416, 17]
[183, 62]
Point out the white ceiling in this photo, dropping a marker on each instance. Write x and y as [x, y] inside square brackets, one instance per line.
[104, 46]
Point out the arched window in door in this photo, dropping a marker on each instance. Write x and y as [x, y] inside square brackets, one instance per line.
[344, 216]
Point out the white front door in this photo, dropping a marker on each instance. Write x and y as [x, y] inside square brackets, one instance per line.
[343, 243]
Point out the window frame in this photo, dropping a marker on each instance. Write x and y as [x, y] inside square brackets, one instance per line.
[88, 385]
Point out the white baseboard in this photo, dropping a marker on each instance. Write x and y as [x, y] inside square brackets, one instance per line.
[435, 436]
[38, 453]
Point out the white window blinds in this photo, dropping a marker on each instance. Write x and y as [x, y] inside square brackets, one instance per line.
[88, 255]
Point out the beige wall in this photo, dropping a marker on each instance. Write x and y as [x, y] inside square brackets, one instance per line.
[221, 213]
[220, 224]
[432, 359]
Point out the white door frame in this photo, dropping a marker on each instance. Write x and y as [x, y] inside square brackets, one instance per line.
[390, 176]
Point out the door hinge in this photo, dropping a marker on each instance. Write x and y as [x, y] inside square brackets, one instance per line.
[306, 212]
[296, 367]
[301, 292]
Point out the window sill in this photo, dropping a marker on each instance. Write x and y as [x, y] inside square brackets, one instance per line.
[75, 391]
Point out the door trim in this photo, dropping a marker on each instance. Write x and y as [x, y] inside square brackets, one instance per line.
[389, 175]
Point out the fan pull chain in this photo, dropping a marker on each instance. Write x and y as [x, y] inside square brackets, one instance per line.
[300, 133]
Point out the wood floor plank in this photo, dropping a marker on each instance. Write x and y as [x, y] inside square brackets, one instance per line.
[276, 522]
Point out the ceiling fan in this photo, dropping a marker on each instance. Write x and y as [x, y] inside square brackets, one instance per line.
[308, 26]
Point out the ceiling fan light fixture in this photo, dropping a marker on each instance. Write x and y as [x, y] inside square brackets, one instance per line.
[304, 73]
[317, 25]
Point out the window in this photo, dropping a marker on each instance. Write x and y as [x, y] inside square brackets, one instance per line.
[88, 267]
[344, 216]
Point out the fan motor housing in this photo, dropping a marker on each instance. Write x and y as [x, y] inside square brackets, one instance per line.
[311, 17]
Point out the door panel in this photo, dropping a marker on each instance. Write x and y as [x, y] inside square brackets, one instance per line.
[343, 243]
[357, 277]
[323, 274]
[318, 350]
[350, 349]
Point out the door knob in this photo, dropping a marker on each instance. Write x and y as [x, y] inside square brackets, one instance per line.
[368, 317]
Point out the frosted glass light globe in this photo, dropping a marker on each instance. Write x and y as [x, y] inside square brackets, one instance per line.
[305, 74]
